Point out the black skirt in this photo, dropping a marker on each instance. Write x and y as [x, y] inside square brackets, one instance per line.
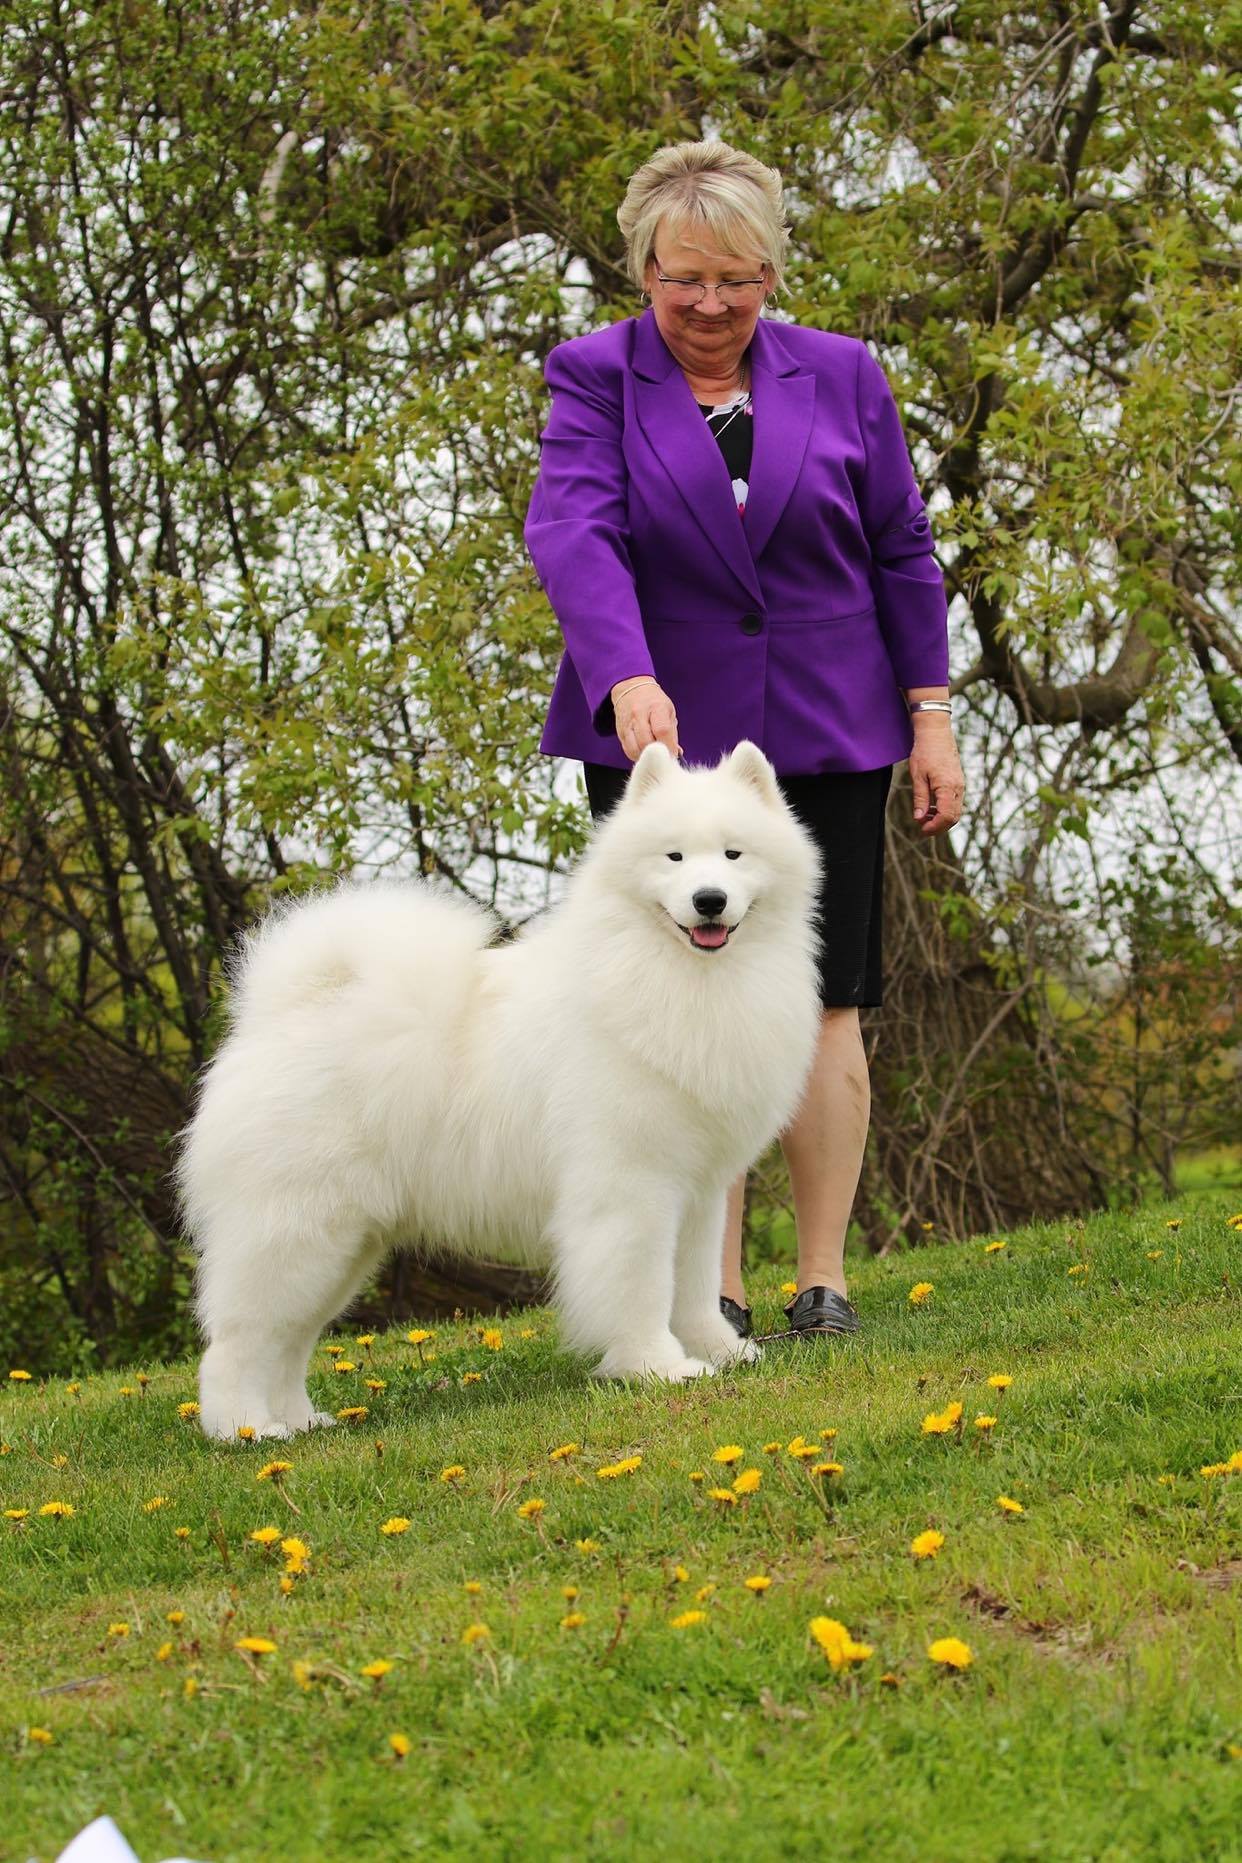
[844, 812]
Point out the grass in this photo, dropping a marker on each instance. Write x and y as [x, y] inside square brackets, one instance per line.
[1100, 1718]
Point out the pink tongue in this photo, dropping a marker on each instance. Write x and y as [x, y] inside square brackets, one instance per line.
[711, 936]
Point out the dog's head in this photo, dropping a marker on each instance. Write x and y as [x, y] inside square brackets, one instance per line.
[704, 847]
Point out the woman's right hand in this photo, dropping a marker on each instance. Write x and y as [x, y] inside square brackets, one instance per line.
[645, 715]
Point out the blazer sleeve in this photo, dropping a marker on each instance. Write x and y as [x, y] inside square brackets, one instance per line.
[576, 531]
[909, 587]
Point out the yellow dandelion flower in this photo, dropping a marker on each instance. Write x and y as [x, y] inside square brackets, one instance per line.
[565, 1450]
[940, 1422]
[927, 1545]
[801, 1448]
[725, 1496]
[994, 1248]
[398, 1524]
[164, 1651]
[1154, 1254]
[789, 1287]
[297, 1553]
[985, 1423]
[142, 1380]
[828, 1436]
[573, 1620]
[528, 1332]
[528, 1510]
[400, 1744]
[16, 1513]
[927, 1225]
[1215, 1468]
[758, 1582]
[1234, 1464]
[1000, 1381]
[189, 1688]
[365, 1339]
[73, 1389]
[625, 1467]
[288, 1582]
[453, 1472]
[273, 1471]
[245, 1433]
[703, 1593]
[837, 1643]
[354, 1413]
[920, 1292]
[344, 1364]
[335, 1351]
[952, 1652]
[118, 1630]
[587, 1546]
[1167, 1481]
[377, 1670]
[472, 1588]
[569, 1593]
[475, 1633]
[419, 1336]
[20, 1377]
[60, 1461]
[889, 1680]
[828, 1468]
[265, 1536]
[696, 1474]
[57, 1510]
[302, 1673]
[1175, 1223]
[256, 1646]
[181, 1533]
[43, 1735]
[747, 1482]
[680, 1575]
[174, 1617]
[126, 1390]
[375, 1384]
[186, 1411]
[772, 1448]
[1009, 1506]
[472, 1377]
[155, 1503]
[492, 1338]
[728, 1452]
[685, 1620]
[1080, 1267]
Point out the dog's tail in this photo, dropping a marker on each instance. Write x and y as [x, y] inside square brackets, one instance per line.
[306, 950]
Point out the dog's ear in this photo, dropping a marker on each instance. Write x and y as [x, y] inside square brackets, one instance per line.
[748, 762]
[655, 765]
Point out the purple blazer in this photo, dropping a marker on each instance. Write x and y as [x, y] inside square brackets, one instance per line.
[797, 625]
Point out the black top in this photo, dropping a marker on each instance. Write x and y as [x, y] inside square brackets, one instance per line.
[733, 426]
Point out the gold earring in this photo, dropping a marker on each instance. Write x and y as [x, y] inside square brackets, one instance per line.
[644, 297]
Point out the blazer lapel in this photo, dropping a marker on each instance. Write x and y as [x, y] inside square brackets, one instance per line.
[783, 400]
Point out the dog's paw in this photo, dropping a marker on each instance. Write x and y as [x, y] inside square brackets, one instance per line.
[670, 1368]
[720, 1343]
[321, 1420]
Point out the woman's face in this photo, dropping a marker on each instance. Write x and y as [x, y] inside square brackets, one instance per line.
[707, 338]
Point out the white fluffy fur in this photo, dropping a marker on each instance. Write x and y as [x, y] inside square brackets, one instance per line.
[583, 1095]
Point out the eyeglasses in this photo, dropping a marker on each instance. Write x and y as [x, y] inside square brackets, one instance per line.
[732, 292]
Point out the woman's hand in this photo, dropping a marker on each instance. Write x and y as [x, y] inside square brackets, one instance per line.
[935, 773]
[645, 715]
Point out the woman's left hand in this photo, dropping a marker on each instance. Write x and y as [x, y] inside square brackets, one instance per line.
[936, 778]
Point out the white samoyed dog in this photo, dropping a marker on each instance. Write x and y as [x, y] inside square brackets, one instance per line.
[580, 1097]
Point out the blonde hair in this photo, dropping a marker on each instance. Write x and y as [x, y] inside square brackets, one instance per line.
[708, 186]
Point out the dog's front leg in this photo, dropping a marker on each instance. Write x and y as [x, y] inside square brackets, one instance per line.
[614, 1243]
[697, 1319]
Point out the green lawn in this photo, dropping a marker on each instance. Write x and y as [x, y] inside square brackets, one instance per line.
[1101, 1717]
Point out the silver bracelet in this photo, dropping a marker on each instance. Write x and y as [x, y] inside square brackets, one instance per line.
[930, 705]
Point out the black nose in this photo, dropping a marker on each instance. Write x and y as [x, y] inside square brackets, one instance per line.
[710, 902]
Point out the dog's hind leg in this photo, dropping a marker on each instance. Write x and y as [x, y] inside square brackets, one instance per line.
[262, 1307]
[697, 1320]
[614, 1238]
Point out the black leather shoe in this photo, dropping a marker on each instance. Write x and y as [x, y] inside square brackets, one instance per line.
[738, 1317]
[821, 1310]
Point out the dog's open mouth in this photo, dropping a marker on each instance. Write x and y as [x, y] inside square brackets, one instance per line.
[713, 936]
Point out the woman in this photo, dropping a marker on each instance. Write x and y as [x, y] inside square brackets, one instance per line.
[728, 529]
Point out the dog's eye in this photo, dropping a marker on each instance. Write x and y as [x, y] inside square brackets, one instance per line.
[733, 853]
[674, 856]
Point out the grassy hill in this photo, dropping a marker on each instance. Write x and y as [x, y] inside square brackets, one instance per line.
[630, 1692]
